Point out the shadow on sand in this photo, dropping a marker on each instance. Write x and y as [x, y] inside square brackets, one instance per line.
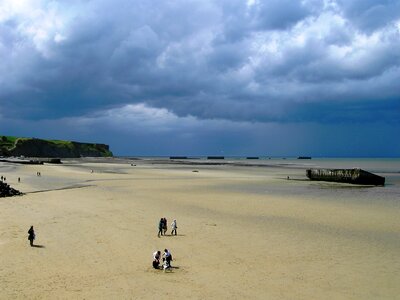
[170, 268]
[38, 246]
[173, 235]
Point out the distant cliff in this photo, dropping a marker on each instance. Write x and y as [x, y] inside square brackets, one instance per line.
[32, 147]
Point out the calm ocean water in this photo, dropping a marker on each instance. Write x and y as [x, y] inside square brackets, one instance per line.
[376, 165]
[301, 186]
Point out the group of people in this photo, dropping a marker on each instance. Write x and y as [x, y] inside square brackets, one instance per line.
[163, 227]
[166, 257]
[3, 178]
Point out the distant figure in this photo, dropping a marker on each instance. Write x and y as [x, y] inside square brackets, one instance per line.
[1, 177]
[165, 227]
[160, 227]
[19, 179]
[174, 227]
[31, 236]
[288, 178]
[91, 171]
[156, 259]
[167, 258]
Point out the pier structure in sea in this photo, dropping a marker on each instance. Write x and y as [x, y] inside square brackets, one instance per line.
[354, 176]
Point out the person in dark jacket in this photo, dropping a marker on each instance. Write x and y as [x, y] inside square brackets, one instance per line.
[160, 227]
[165, 227]
[31, 236]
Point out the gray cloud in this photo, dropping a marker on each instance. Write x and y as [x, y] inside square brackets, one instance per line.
[260, 62]
[280, 14]
[369, 15]
[142, 130]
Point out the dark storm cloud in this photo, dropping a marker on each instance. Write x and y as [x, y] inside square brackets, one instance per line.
[287, 62]
[369, 15]
[280, 14]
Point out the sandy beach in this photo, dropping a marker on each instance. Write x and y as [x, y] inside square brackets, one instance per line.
[244, 232]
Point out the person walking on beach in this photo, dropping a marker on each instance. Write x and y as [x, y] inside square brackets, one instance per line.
[160, 227]
[31, 236]
[174, 227]
[156, 259]
[165, 227]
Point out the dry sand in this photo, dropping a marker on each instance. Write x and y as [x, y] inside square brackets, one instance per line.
[98, 232]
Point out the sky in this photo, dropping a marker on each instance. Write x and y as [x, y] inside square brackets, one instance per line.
[223, 77]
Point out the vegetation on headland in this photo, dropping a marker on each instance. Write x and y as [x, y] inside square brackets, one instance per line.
[33, 147]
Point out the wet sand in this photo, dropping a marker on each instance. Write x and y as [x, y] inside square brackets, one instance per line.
[243, 233]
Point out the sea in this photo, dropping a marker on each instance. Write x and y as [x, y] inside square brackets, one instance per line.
[299, 185]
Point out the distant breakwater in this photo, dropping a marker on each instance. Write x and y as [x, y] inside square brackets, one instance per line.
[32, 161]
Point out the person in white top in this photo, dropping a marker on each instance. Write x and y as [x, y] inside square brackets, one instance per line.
[156, 259]
[174, 227]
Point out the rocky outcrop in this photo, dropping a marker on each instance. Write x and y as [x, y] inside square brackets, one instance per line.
[7, 191]
[31, 147]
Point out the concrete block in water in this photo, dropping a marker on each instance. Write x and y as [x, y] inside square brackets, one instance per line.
[354, 176]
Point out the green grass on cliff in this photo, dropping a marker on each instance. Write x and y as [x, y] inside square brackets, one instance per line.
[61, 143]
[8, 143]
